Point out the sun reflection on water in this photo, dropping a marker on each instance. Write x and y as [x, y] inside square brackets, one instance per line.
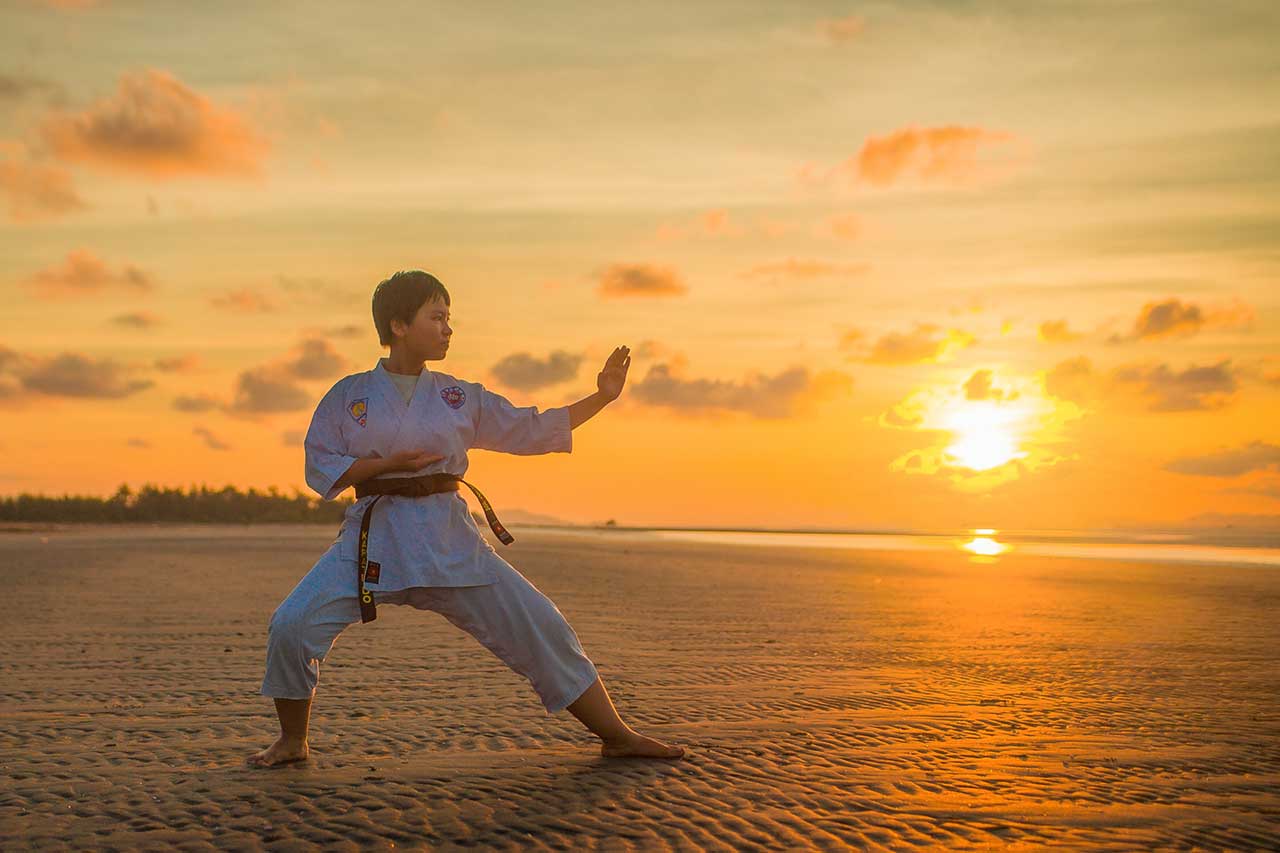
[984, 544]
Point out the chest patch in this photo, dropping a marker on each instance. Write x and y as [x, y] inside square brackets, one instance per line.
[453, 396]
[359, 410]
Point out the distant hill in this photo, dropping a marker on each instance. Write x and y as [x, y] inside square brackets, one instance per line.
[520, 516]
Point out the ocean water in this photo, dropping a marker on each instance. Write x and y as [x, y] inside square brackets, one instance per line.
[984, 544]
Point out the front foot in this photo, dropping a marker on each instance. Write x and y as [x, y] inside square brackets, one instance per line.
[639, 746]
[281, 752]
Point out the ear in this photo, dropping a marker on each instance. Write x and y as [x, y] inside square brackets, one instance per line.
[398, 328]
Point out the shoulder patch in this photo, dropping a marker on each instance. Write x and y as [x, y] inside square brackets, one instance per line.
[359, 410]
[453, 396]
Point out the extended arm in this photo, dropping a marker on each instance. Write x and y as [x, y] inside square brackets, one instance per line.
[609, 383]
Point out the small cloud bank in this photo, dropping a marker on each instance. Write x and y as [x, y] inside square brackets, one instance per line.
[1255, 456]
[1161, 388]
[67, 375]
[769, 397]
[155, 126]
[525, 372]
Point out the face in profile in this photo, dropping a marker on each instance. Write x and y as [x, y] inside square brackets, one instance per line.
[427, 337]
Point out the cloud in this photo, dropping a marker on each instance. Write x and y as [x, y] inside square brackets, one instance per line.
[197, 403]
[155, 126]
[803, 270]
[1207, 387]
[293, 438]
[640, 280]
[524, 371]
[85, 274]
[211, 441]
[841, 30]
[1159, 387]
[243, 301]
[138, 442]
[843, 226]
[35, 192]
[315, 358]
[18, 88]
[978, 387]
[1255, 456]
[137, 320]
[924, 344]
[264, 391]
[758, 395]
[931, 154]
[351, 330]
[178, 364]
[1173, 318]
[1056, 332]
[73, 375]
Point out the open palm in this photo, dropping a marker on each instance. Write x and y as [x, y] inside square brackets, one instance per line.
[614, 374]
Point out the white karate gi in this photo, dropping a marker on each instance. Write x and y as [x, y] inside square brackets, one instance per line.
[431, 553]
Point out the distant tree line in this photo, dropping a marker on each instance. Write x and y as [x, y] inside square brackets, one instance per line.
[154, 503]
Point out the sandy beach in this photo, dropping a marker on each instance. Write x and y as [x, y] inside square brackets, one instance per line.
[828, 699]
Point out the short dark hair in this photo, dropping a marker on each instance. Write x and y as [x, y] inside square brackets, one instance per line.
[400, 297]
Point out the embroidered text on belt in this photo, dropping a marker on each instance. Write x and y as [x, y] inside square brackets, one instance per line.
[412, 487]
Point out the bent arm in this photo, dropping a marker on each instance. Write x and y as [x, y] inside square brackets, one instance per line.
[361, 470]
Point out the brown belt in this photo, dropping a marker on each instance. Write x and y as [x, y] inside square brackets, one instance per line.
[409, 487]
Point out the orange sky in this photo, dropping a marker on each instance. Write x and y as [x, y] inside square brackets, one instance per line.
[930, 265]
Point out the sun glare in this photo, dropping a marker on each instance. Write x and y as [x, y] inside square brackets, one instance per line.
[985, 437]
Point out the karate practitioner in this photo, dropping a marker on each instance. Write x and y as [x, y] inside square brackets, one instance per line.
[400, 421]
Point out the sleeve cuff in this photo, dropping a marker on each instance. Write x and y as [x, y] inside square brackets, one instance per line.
[562, 434]
[323, 475]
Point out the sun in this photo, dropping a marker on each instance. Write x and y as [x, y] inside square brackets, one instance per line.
[986, 435]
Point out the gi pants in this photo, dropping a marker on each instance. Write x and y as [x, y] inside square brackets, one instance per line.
[511, 618]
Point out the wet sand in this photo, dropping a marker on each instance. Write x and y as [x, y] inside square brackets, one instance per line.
[827, 699]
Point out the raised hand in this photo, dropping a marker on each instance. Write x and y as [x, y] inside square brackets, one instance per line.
[614, 375]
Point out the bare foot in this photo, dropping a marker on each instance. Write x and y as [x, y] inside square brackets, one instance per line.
[639, 746]
[281, 752]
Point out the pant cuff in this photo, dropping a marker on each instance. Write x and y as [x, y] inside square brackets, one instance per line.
[572, 695]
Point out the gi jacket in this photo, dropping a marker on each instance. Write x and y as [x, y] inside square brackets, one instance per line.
[430, 541]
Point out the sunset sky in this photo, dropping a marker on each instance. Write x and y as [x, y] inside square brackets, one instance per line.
[887, 265]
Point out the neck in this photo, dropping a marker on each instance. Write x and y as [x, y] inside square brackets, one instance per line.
[400, 362]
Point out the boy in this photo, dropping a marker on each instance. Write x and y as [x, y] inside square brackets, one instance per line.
[400, 433]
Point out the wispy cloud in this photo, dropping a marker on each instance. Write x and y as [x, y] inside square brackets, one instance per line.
[137, 320]
[35, 192]
[1056, 332]
[210, 440]
[243, 301]
[640, 280]
[803, 270]
[85, 274]
[926, 343]
[842, 30]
